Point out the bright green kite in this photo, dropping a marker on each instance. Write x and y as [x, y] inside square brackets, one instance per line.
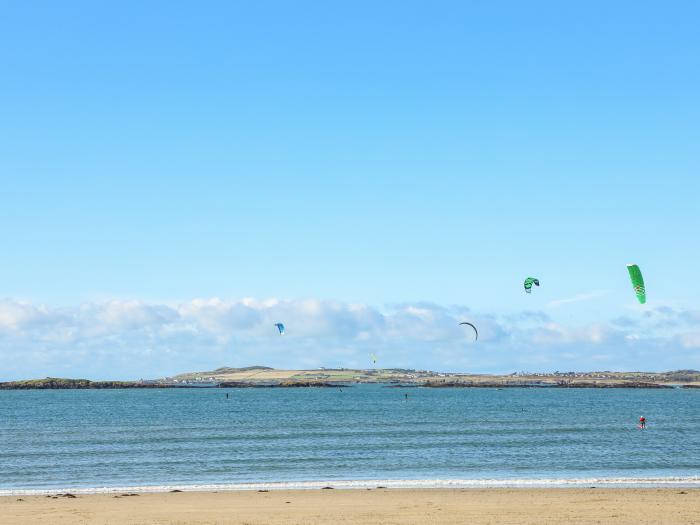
[529, 282]
[637, 282]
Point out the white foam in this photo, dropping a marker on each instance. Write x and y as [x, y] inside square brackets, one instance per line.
[688, 481]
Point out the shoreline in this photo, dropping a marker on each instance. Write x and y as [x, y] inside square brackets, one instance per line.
[671, 482]
[364, 507]
[113, 385]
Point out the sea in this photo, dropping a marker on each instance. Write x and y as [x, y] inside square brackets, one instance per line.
[361, 436]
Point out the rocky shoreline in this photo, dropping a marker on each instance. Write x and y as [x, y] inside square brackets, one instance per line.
[285, 384]
[581, 384]
[85, 384]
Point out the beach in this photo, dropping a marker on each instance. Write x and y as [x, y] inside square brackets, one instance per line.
[365, 507]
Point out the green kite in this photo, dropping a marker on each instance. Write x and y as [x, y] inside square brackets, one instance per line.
[637, 282]
[529, 282]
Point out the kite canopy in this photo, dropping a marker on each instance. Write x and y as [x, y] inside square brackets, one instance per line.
[476, 332]
[280, 327]
[529, 282]
[637, 282]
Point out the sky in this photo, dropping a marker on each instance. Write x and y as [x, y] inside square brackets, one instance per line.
[175, 177]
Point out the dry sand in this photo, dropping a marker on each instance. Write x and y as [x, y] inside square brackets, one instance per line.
[472, 506]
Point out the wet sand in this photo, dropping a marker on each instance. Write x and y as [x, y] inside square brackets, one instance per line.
[377, 506]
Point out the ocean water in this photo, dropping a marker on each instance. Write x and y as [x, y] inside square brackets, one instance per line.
[361, 436]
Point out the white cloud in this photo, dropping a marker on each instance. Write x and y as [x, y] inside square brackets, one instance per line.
[554, 333]
[127, 339]
[690, 339]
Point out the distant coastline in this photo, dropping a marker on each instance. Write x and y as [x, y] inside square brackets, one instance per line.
[265, 377]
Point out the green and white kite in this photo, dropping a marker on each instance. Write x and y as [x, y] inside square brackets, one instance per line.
[637, 282]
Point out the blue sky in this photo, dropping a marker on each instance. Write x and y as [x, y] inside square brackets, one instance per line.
[384, 158]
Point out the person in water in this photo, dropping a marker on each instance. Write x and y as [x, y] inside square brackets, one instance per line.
[642, 422]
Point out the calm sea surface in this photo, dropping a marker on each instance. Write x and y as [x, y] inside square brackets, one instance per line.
[103, 438]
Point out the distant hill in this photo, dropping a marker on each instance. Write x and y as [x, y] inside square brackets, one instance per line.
[229, 370]
[261, 375]
[265, 376]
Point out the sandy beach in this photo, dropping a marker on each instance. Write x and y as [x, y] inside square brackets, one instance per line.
[378, 506]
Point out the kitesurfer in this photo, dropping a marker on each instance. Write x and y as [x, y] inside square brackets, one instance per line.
[642, 422]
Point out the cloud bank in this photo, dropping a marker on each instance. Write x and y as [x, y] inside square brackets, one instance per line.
[133, 339]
